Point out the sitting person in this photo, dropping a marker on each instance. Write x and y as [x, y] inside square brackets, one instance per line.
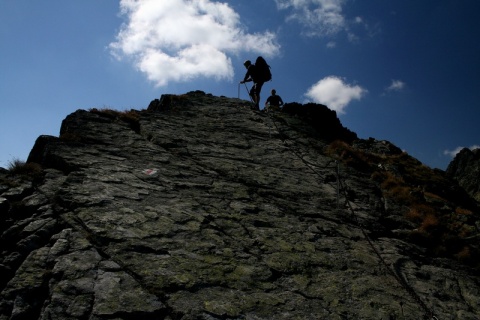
[274, 102]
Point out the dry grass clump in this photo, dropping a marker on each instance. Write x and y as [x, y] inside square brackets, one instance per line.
[391, 181]
[465, 255]
[131, 117]
[401, 193]
[176, 100]
[426, 218]
[394, 187]
[429, 222]
[443, 229]
[19, 167]
[419, 212]
[462, 211]
[127, 115]
[433, 197]
[18, 170]
[351, 157]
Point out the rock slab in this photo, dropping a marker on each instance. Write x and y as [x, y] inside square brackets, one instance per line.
[201, 208]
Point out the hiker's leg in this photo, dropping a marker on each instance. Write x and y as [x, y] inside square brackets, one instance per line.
[253, 96]
[258, 89]
[257, 100]
[252, 93]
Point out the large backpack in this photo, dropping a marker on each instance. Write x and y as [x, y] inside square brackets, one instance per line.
[263, 70]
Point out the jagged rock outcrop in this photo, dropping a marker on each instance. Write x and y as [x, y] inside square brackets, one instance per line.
[465, 168]
[201, 208]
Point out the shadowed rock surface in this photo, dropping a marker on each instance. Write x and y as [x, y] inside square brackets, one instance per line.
[200, 208]
[465, 168]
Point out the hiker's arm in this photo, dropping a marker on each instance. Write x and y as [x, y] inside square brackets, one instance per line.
[248, 76]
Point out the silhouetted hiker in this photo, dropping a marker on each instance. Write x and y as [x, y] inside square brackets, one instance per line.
[273, 102]
[252, 75]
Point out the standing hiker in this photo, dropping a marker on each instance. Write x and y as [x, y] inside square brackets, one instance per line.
[273, 102]
[252, 75]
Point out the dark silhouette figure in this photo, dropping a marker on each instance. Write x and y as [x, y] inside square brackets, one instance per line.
[274, 102]
[252, 75]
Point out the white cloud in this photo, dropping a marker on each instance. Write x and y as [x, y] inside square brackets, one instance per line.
[326, 18]
[320, 17]
[333, 92]
[453, 153]
[396, 85]
[331, 44]
[179, 40]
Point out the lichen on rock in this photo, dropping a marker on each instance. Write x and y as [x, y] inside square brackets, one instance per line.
[201, 208]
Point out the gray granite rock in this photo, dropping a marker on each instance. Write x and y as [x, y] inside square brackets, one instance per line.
[201, 208]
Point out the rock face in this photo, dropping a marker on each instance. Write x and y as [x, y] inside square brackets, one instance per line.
[465, 168]
[201, 208]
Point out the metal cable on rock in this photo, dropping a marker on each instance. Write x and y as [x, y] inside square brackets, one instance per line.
[428, 312]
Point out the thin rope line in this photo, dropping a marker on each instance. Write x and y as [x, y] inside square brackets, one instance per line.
[428, 312]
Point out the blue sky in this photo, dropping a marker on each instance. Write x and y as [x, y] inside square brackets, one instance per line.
[406, 71]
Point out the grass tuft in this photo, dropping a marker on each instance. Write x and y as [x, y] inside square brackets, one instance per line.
[19, 167]
[440, 224]
[132, 117]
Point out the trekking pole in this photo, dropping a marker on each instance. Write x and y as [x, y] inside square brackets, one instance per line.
[248, 92]
[239, 90]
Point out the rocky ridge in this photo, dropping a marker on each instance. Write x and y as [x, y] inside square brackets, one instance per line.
[465, 168]
[201, 208]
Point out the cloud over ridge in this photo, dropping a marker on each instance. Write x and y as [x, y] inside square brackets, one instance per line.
[335, 93]
[179, 40]
[454, 152]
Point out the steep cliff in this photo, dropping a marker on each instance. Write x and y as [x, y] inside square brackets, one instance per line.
[201, 208]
